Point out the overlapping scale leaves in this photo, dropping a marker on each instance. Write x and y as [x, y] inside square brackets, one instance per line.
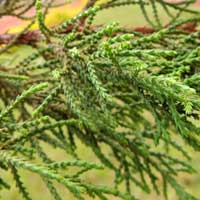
[104, 85]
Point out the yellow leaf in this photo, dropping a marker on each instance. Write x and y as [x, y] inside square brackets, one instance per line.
[55, 16]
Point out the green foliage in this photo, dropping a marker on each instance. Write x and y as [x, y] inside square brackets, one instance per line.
[97, 85]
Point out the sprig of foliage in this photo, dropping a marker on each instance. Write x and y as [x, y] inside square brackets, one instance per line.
[98, 85]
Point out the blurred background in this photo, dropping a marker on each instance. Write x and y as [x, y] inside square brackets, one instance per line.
[129, 16]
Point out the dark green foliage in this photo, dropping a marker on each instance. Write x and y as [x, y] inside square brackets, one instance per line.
[98, 85]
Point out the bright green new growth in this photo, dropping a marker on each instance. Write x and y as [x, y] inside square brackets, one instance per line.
[98, 85]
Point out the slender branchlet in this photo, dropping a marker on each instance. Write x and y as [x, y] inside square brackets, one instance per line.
[121, 92]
